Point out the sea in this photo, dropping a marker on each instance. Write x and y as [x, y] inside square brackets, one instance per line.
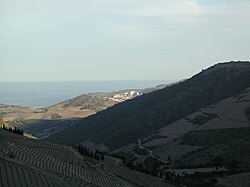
[44, 94]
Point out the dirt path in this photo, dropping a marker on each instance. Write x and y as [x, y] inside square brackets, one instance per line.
[149, 151]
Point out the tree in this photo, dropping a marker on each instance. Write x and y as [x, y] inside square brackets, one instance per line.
[102, 156]
[234, 164]
[160, 174]
[4, 127]
[1, 122]
[167, 176]
[169, 159]
[217, 161]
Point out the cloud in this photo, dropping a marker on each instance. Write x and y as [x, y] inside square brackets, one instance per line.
[127, 31]
[146, 7]
[165, 8]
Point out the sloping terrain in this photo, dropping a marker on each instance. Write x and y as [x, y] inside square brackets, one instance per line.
[42, 122]
[78, 107]
[27, 162]
[53, 159]
[227, 144]
[14, 174]
[229, 113]
[238, 180]
[128, 121]
[179, 138]
[41, 128]
[214, 140]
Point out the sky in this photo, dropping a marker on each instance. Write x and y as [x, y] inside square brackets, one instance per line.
[67, 40]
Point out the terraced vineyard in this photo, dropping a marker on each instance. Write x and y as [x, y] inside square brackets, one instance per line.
[125, 173]
[175, 150]
[136, 177]
[24, 176]
[59, 161]
[29, 162]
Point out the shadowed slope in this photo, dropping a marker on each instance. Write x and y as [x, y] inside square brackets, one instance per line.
[126, 122]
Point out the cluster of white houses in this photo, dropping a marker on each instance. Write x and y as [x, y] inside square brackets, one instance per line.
[124, 96]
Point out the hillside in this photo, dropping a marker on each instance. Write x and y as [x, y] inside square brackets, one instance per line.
[78, 107]
[42, 122]
[9, 127]
[41, 128]
[128, 121]
[218, 130]
[27, 162]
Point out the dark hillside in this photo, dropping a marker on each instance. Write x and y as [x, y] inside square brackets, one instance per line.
[227, 144]
[126, 122]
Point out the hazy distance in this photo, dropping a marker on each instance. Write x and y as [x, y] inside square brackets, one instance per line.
[58, 40]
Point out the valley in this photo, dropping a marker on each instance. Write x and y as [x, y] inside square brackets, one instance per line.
[112, 93]
[42, 122]
[196, 131]
[191, 133]
[79, 107]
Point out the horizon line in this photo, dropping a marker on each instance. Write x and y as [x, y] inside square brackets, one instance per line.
[89, 80]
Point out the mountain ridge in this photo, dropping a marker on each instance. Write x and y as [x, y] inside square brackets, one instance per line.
[135, 118]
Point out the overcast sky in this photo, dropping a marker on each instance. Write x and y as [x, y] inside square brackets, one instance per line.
[119, 39]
